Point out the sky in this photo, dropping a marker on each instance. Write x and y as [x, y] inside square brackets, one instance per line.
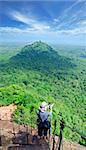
[53, 21]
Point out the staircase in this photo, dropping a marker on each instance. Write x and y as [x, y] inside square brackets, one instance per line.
[21, 142]
[19, 137]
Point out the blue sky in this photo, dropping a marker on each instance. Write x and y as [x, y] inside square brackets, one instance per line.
[53, 21]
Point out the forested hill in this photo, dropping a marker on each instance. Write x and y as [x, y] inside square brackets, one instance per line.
[41, 57]
[39, 73]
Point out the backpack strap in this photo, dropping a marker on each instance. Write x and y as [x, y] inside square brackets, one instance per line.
[39, 116]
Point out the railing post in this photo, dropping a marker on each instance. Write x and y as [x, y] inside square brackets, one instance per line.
[31, 110]
[0, 133]
[50, 138]
[54, 135]
[27, 133]
[61, 136]
[19, 122]
[62, 144]
[0, 141]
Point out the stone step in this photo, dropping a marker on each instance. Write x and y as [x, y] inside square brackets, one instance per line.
[29, 147]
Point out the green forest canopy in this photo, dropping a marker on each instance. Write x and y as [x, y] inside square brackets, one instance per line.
[37, 73]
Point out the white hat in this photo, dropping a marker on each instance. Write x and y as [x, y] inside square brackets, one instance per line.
[43, 106]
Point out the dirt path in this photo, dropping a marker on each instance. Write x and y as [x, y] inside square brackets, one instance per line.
[7, 111]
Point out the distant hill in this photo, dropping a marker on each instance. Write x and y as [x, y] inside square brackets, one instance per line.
[41, 57]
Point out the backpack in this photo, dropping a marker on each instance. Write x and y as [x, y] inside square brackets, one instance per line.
[46, 124]
[43, 124]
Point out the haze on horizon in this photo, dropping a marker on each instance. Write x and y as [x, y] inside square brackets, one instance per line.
[57, 22]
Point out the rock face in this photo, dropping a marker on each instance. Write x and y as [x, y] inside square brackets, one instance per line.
[7, 111]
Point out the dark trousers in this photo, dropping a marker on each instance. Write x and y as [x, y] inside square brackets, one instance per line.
[42, 130]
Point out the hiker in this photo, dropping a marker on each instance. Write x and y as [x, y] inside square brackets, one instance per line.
[43, 120]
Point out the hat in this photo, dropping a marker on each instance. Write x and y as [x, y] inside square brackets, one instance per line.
[43, 106]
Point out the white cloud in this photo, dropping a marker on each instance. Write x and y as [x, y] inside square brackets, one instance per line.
[83, 22]
[67, 17]
[15, 30]
[56, 20]
[35, 26]
[29, 21]
[9, 29]
[76, 31]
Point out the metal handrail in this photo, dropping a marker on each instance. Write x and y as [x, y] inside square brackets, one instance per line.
[60, 140]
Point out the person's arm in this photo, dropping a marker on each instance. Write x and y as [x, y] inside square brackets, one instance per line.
[50, 107]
